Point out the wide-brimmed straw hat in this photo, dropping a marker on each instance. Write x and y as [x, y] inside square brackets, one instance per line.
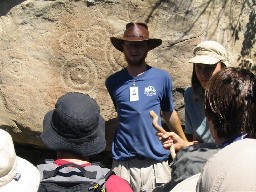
[16, 173]
[209, 53]
[135, 32]
[75, 125]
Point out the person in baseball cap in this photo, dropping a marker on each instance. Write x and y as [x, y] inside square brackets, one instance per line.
[209, 58]
[229, 105]
[209, 53]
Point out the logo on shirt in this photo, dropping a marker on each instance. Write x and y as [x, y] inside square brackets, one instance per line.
[150, 91]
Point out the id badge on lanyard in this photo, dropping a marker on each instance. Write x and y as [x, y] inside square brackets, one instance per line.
[134, 93]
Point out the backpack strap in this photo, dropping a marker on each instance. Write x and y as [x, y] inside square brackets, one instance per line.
[109, 174]
[49, 160]
[102, 187]
[57, 172]
[98, 175]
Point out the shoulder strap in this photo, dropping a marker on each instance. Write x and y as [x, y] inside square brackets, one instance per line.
[57, 172]
[49, 160]
[104, 172]
[109, 174]
[52, 173]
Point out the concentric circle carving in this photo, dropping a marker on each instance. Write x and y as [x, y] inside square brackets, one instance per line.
[80, 74]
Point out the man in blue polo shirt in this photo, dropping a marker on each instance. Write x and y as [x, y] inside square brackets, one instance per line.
[138, 156]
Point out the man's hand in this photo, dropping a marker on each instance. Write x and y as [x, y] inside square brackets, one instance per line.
[170, 140]
[161, 130]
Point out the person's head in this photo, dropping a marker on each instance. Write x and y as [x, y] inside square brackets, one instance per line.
[209, 58]
[230, 103]
[135, 43]
[75, 126]
[16, 173]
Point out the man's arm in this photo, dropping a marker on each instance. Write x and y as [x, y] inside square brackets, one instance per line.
[108, 86]
[173, 122]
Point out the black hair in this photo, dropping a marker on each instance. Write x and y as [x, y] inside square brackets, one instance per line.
[230, 102]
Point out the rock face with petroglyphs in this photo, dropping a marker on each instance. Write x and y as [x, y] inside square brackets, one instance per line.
[52, 47]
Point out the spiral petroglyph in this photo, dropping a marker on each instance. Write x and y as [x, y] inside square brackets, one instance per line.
[80, 74]
[81, 41]
[14, 64]
[15, 68]
[74, 42]
[98, 37]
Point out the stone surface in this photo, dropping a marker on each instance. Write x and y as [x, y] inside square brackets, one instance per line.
[51, 47]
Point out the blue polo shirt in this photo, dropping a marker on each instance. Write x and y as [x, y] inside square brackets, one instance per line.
[135, 135]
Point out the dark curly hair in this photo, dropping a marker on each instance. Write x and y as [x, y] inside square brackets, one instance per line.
[230, 102]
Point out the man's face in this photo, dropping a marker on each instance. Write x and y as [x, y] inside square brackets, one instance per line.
[204, 72]
[135, 52]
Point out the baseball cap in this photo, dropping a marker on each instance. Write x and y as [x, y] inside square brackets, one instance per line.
[210, 53]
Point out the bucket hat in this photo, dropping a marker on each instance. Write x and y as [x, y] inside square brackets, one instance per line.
[210, 53]
[135, 32]
[75, 125]
[16, 173]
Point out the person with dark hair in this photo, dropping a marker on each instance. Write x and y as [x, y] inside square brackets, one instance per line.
[76, 131]
[138, 156]
[209, 58]
[230, 106]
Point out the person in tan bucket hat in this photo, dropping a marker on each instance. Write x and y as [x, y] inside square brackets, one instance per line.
[138, 155]
[209, 58]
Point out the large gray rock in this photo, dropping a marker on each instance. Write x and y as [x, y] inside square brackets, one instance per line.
[49, 48]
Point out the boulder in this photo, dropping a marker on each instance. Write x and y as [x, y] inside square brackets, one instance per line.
[51, 47]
